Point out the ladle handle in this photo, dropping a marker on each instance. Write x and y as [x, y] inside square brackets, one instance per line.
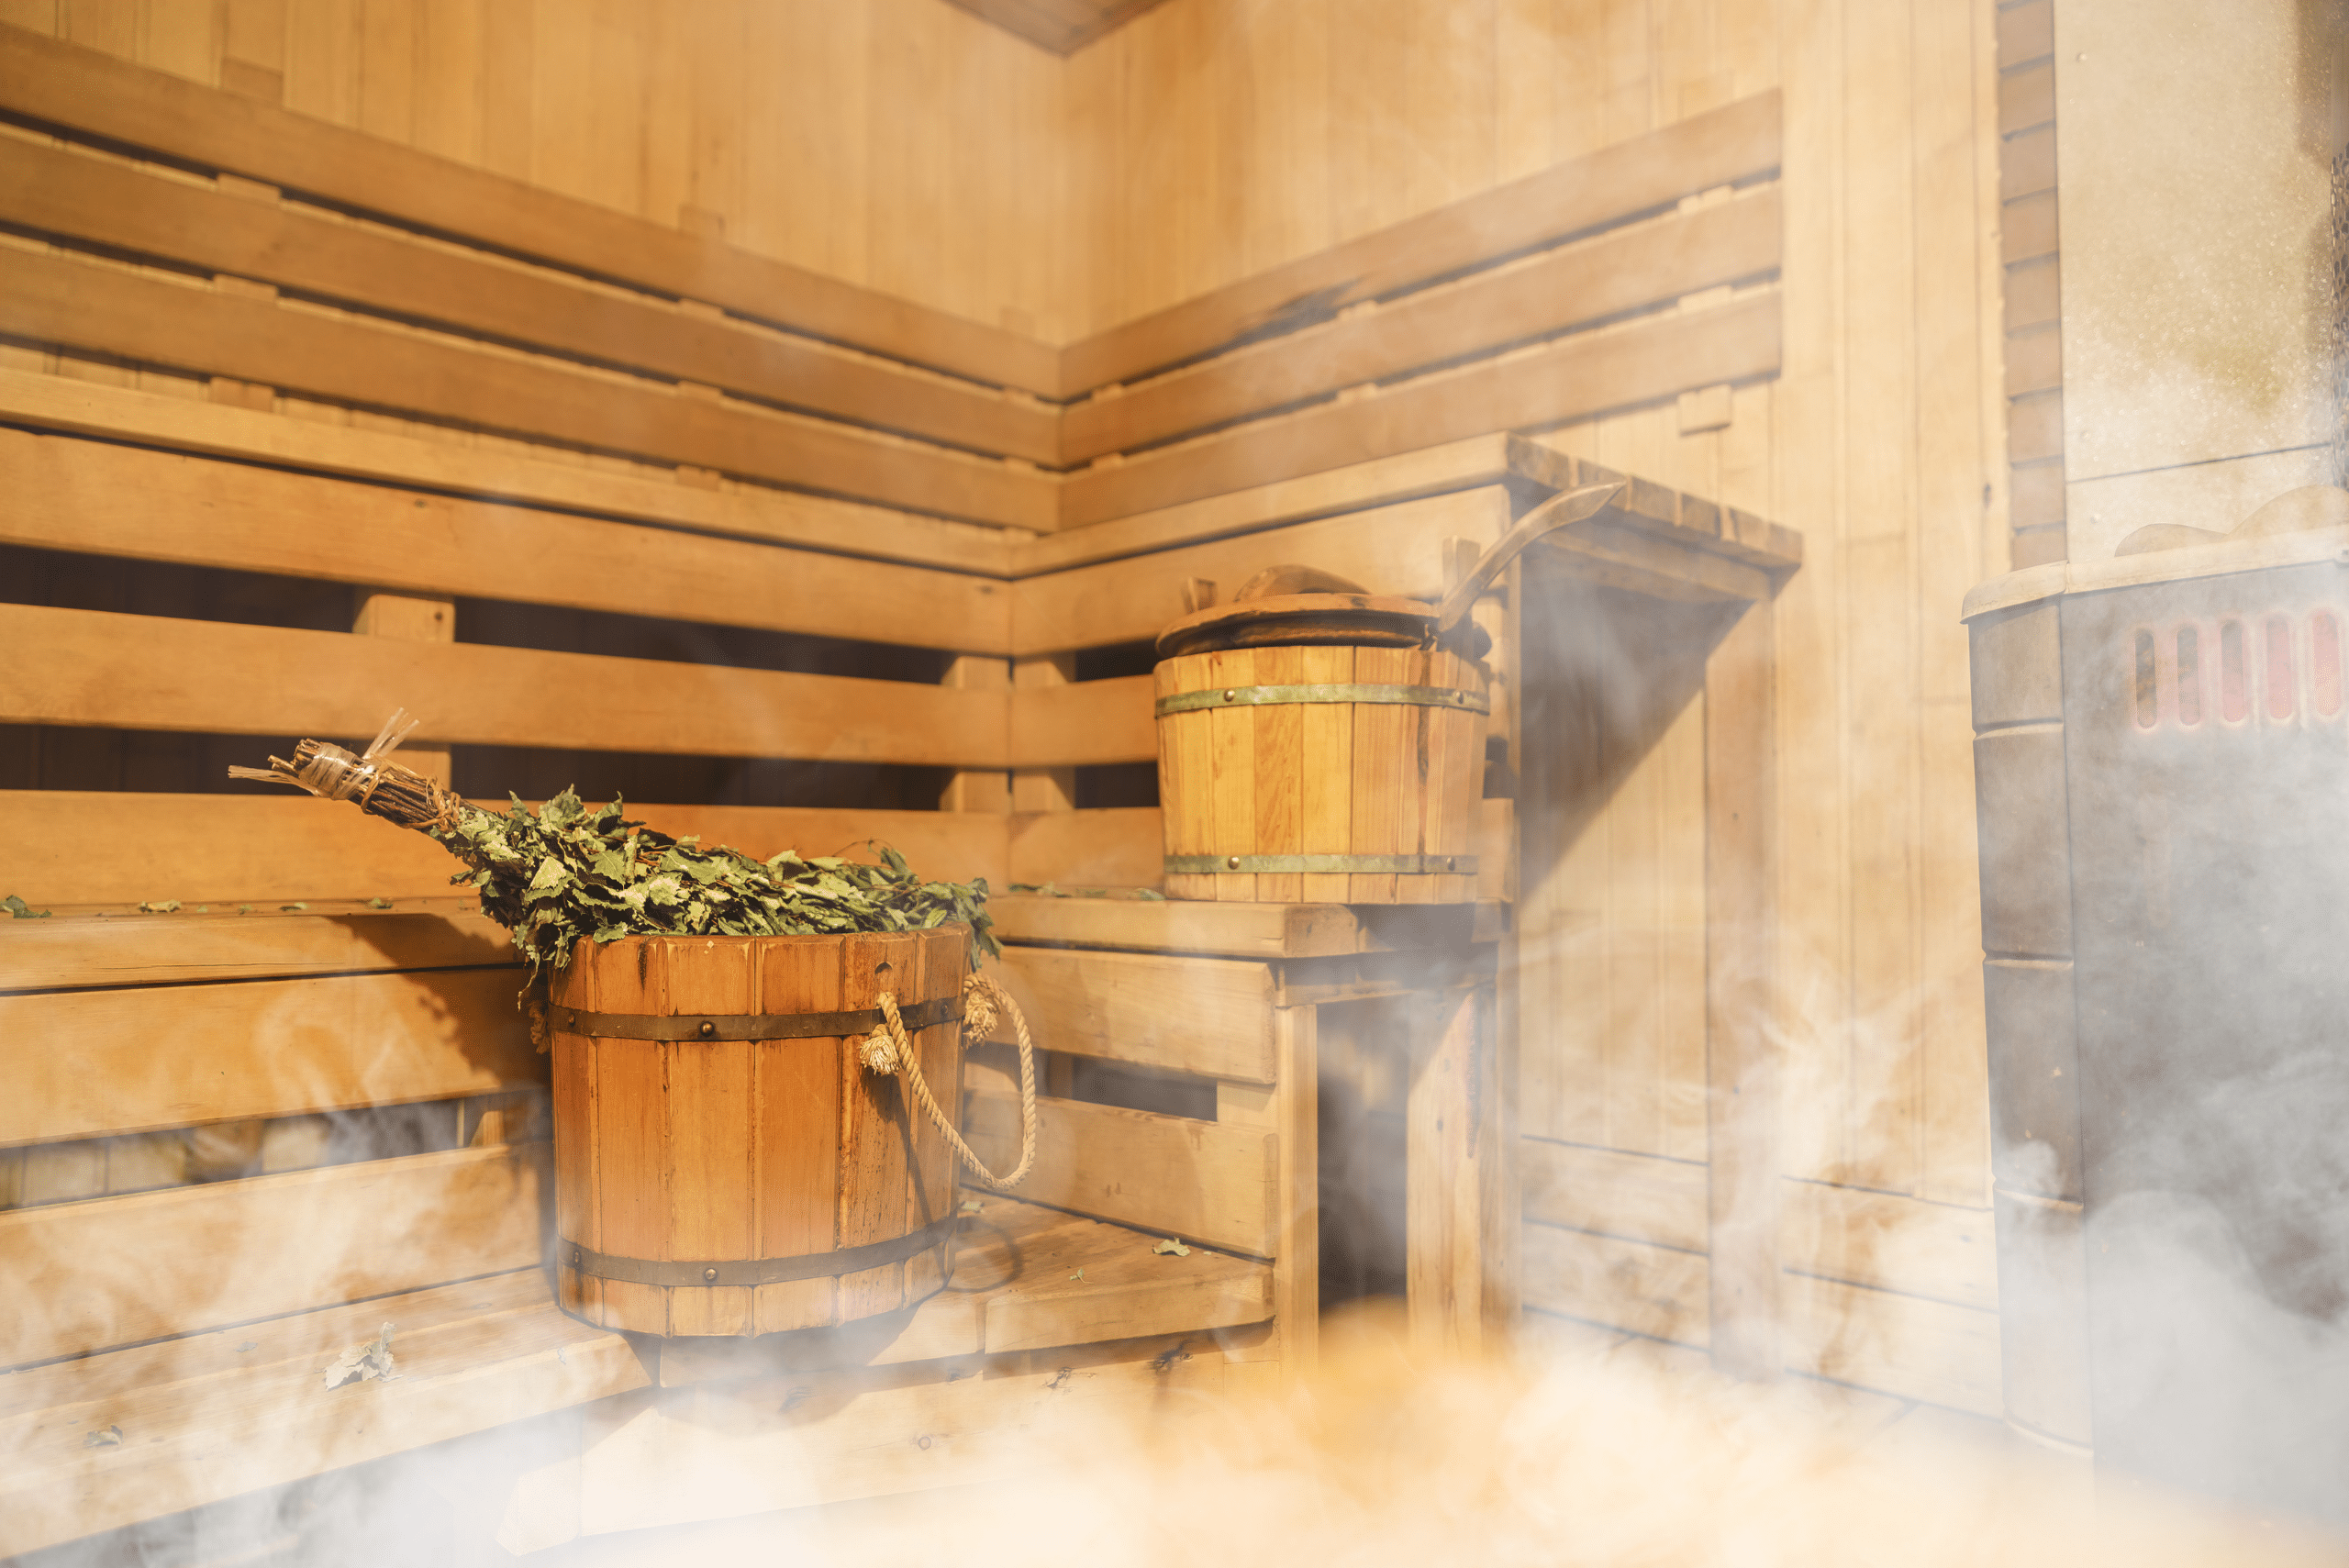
[1557, 512]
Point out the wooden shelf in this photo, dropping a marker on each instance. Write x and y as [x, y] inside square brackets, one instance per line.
[1026, 1277]
[1245, 930]
[215, 1414]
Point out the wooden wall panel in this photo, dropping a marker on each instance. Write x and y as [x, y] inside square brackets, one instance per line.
[678, 115]
[1881, 441]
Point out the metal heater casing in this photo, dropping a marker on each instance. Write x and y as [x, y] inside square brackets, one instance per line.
[2161, 769]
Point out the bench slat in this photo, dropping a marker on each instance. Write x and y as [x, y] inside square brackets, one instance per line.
[1086, 722]
[1658, 263]
[1395, 548]
[98, 1064]
[104, 847]
[1172, 1175]
[70, 953]
[1110, 847]
[92, 667]
[116, 1271]
[1723, 146]
[102, 499]
[1588, 373]
[545, 477]
[90, 199]
[1205, 1016]
[205, 1419]
[87, 305]
[70, 85]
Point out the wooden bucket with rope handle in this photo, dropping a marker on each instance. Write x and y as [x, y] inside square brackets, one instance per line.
[754, 1134]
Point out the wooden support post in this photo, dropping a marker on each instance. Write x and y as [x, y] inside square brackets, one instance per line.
[1741, 1071]
[408, 619]
[1460, 1212]
[1287, 1109]
[983, 792]
[1043, 789]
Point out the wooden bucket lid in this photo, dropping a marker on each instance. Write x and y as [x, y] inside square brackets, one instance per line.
[1302, 607]
[1302, 621]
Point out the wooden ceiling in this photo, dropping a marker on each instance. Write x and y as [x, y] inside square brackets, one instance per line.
[1062, 25]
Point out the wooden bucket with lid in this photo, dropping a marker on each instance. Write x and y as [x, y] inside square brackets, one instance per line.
[1319, 744]
[725, 1163]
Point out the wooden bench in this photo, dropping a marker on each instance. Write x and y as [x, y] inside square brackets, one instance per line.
[238, 1142]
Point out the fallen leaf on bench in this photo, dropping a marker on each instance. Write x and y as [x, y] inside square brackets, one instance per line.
[20, 910]
[105, 1437]
[371, 1360]
[971, 1205]
[1172, 1247]
[161, 906]
[291, 909]
[379, 904]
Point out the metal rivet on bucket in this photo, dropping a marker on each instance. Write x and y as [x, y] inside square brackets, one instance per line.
[1230, 693]
[707, 1028]
[1233, 862]
[709, 1273]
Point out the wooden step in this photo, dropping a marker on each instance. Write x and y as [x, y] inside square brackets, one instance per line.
[211, 1416]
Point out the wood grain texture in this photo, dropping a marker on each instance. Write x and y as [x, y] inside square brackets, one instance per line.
[1110, 847]
[111, 99]
[1014, 1287]
[1082, 723]
[98, 499]
[87, 667]
[104, 848]
[1650, 1290]
[236, 1410]
[1204, 1016]
[855, 1433]
[69, 952]
[1572, 378]
[1243, 930]
[1378, 779]
[119, 1270]
[1391, 549]
[1740, 1060]
[1576, 287]
[1644, 174]
[1640, 1197]
[542, 477]
[1933, 1351]
[51, 298]
[83, 1063]
[710, 1150]
[111, 206]
[1167, 1174]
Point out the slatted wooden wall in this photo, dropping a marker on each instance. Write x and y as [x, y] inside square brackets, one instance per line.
[1264, 132]
[904, 155]
[921, 153]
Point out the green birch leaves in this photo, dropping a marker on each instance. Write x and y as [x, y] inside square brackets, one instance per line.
[567, 872]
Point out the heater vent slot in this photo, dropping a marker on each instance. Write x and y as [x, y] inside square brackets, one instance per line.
[2283, 668]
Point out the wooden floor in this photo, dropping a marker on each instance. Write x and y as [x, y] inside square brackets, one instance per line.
[100, 1441]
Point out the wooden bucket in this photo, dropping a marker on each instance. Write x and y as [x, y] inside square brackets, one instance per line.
[1321, 774]
[724, 1163]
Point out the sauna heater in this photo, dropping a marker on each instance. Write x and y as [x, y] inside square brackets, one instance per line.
[2162, 766]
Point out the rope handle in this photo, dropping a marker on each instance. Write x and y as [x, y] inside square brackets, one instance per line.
[889, 1049]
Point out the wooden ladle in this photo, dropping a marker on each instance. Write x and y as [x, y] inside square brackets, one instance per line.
[1288, 606]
